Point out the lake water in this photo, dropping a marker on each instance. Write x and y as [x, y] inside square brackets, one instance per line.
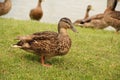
[56, 9]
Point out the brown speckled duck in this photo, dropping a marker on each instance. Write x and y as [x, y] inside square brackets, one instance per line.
[111, 16]
[77, 22]
[37, 13]
[5, 7]
[48, 44]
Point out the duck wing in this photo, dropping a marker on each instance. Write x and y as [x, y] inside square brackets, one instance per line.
[45, 35]
[40, 42]
[115, 15]
[44, 43]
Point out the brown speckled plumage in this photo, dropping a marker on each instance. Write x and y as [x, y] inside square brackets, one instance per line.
[37, 13]
[48, 43]
[5, 7]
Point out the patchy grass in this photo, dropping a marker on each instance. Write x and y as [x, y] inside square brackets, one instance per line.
[94, 55]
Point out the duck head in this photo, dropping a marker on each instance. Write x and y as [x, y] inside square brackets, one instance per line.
[65, 23]
[40, 0]
[89, 7]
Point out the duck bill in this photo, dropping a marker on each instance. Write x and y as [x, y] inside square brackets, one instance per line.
[92, 9]
[42, 0]
[73, 28]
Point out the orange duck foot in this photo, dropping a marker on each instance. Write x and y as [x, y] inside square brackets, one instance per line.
[46, 65]
[43, 62]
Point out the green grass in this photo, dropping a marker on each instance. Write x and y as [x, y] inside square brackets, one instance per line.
[94, 55]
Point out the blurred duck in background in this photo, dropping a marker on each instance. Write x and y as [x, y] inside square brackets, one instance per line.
[111, 16]
[37, 13]
[96, 21]
[5, 7]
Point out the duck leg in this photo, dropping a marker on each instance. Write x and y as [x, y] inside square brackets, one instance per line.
[43, 61]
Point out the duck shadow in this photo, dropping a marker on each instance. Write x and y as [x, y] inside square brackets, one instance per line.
[57, 60]
[30, 57]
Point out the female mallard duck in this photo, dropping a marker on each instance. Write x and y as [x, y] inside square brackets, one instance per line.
[37, 13]
[47, 43]
[111, 16]
[77, 22]
[5, 7]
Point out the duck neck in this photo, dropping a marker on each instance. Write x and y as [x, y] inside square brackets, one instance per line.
[87, 13]
[62, 31]
[39, 3]
[111, 5]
